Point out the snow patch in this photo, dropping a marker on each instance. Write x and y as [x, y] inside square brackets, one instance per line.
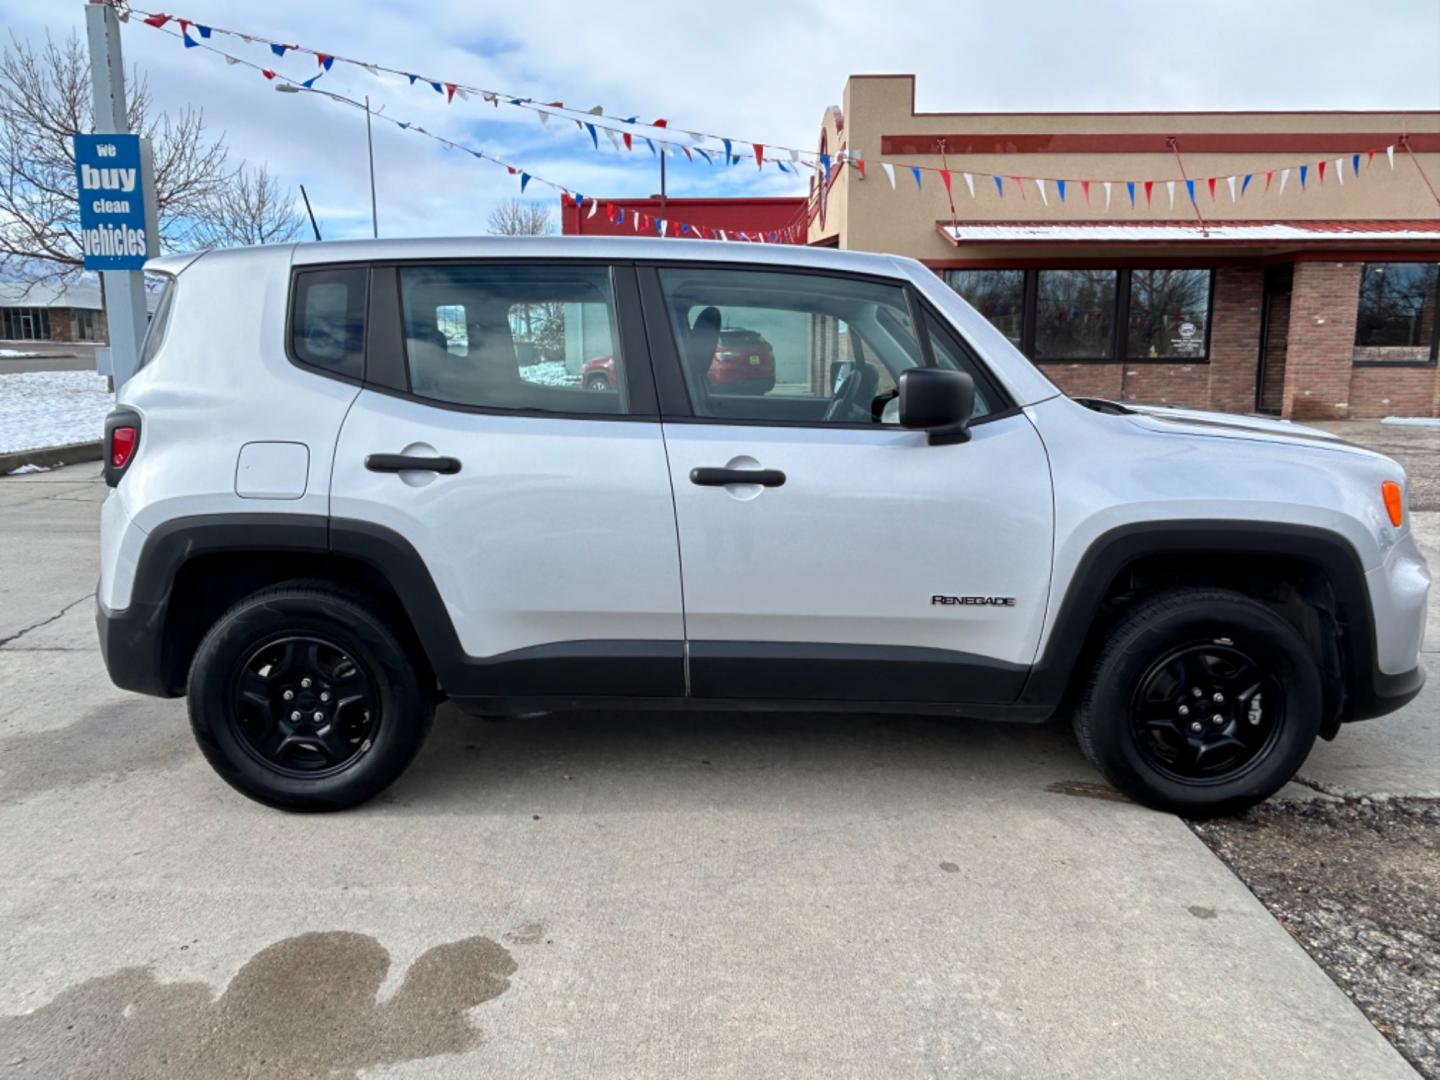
[39, 409]
[549, 373]
[1412, 421]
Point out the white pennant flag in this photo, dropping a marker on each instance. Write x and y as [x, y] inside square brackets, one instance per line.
[593, 207]
[1040, 187]
[1230, 180]
[1340, 169]
[663, 226]
[969, 183]
[231, 60]
[723, 236]
[491, 99]
[544, 118]
[614, 139]
[1170, 190]
[1107, 194]
[1284, 179]
[1390, 153]
[635, 221]
[889, 172]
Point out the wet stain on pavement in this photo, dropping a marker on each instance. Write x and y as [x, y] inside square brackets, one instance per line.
[530, 933]
[1201, 912]
[113, 742]
[305, 1007]
[950, 867]
[1086, 789]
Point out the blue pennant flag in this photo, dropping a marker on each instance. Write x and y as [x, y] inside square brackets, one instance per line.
[825, 164]
[1246, 182]
[1130, 187]
[651, 145]
[915, 172]
[188, 43]
[478, 154]
[727, 150]
[1303, 170]
[999, 186]
[620, 216]
[205, 33]
[594, 136]
[513, 100]
[412, 79]
[579, 200]
[1189, 188]
[403, 124]
[773, 237]
[524, 179]
[632, 119]
[327, 63]
[308, 83]
[1355, 164]
[438, 88]
[1060, 187]
[706, 155]
[684, 228]
[279, 50]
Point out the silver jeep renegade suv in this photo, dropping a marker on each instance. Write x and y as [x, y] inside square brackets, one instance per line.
[352, 480]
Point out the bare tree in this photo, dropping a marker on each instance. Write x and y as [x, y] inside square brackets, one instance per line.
[252, 208]
[518, 217]
[45, 97]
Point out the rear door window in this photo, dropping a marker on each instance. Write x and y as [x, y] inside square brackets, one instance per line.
[514, 337]
[327, 319]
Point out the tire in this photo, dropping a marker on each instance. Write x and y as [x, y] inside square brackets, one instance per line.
[1153, 662]
[597, 382]
[344, 749]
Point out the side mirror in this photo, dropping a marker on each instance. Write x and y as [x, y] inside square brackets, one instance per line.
[938, 401]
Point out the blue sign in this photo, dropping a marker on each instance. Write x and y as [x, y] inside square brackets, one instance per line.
[117, 201]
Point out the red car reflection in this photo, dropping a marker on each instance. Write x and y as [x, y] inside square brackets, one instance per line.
[744, 363]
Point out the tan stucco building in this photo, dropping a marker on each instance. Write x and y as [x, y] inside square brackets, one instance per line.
[1318, 300]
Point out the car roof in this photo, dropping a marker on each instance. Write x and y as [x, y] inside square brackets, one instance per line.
[569, 247]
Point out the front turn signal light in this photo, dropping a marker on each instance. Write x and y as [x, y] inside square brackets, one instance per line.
[1394, 505]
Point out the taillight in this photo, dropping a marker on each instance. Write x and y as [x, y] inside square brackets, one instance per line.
[122, 440]
[122, 445]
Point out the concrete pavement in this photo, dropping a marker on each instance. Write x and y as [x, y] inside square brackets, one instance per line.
[46, 356]
[634, 895]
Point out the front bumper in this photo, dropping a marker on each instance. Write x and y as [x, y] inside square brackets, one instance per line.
[1386, 693]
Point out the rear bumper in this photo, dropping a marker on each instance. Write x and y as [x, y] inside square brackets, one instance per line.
[131, 642]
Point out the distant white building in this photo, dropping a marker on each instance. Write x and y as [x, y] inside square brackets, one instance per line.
[47, 312]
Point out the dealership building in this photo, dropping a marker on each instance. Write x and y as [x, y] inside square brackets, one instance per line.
[1306, 295]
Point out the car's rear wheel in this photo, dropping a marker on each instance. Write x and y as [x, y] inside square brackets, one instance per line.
[1202, 702]
[302, 698]
[597, 382]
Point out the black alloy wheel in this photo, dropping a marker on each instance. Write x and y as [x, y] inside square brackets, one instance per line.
[304, 705]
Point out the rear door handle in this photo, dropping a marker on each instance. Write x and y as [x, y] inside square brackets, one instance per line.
[707, 477]
[411, 462]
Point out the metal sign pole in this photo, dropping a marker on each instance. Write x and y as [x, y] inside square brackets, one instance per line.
[124, 290]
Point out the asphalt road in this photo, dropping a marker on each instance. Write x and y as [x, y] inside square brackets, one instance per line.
[46, 356]
[627, 896]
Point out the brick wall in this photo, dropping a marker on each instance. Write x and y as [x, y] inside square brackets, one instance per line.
[1167, 384]
[1392, 391]
[1323, 307]
[1235, 337]
[1277, 338]
[1086, 380]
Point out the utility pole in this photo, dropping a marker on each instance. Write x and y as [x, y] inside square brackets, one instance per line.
[124, 290]
[370, 150]
[662, 181]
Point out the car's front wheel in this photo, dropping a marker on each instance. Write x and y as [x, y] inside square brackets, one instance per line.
[301, 697]
[1202, 702]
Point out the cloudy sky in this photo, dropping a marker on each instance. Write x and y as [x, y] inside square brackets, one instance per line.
[756, 69]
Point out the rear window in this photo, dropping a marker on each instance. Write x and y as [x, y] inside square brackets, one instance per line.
[327, 319]
[159, 322]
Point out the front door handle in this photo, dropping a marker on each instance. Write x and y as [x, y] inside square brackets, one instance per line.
[709, 477]
[411, 462]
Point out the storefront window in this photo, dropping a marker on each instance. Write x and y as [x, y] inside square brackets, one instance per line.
[1169, 314]
[1396, 320]
[1075, 314]
[999, 295]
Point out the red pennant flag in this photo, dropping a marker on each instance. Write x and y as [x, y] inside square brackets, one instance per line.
[1085, 187]
[1321, 170]
[267, 73]
[759, 155]
[450, 89]
[945, 179]
[610, 212]
[660, 123]
[1369, 154]
[1019, 185]
[626, 136]
[1211, 182]
[510, 169]
[860, 164]
[1149, 185]
[184, 25]
[158, 21]
[1269, 175]
[321, 57]
[556, 105]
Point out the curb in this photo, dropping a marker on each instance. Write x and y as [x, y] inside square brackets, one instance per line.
[51, 456]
